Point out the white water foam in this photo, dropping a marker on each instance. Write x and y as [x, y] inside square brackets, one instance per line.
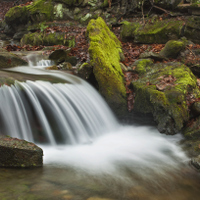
[141, 150]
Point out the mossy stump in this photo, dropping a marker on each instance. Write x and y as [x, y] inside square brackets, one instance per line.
[104, 52]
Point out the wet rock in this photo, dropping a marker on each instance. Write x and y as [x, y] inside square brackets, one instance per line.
[8, 60]
[19, 153]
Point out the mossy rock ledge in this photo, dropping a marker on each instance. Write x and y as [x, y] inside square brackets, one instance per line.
[104, 51]
[8, 60]
[163, 90]
[19, 153]
[156, 32]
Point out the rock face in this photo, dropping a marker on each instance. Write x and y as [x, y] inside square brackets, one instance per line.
[163, 90]
[105, 50]
[19, 153]
[10, 60]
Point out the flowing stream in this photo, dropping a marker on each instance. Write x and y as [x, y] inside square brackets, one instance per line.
[88, 155]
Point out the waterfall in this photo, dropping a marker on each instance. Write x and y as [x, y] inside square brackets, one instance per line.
[81, 128]
[59, 113]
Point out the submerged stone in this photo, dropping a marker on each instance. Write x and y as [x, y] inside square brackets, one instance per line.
[104, 52]
[19, 153]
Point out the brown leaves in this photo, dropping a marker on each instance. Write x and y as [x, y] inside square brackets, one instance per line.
[165, 81]
[129, 77]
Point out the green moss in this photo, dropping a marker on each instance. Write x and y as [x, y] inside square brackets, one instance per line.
[17, 15]
[44, 39]
[173, 48]
[104, 52]
[128, 30]
[168, 104]
[143, 65]
[41, 10]
[159, 32]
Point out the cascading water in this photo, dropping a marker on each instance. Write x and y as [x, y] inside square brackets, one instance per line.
[83, 133]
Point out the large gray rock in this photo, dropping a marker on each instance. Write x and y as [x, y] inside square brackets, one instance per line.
[19, 153]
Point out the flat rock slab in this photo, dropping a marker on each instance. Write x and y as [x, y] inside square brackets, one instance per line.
[19, 153]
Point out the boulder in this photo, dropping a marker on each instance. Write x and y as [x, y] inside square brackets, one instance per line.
[172, 48]
[39, 10]
[8, 60]
[104, 51]
[163, 90]
[42, 38]
[19, 153]
[192, 29]
[156, 32]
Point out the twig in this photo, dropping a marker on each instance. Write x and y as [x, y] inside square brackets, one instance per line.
[152, 4]
[143, 12]
[191, 52]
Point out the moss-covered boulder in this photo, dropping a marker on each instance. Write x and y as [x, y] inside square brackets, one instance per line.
[19, 153]
[172, 48]
[192, 29]
[163, 91]
[128, 30]
[17, 15]
[48, 39]
[8, 60]
[39, 10]
[104, 52]
[157, 32]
